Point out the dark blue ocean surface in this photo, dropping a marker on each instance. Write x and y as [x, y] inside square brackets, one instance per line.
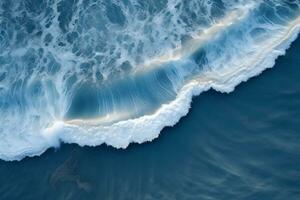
[242, 145]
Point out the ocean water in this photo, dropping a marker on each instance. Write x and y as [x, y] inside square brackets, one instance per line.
[118, 72]
[173, 76]
[242, 145]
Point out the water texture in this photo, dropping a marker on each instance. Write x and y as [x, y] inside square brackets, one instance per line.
[92, 72]
[243, 145]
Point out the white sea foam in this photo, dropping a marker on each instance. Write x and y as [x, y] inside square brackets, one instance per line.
[190, 46]
[148, 127]
[48, 131]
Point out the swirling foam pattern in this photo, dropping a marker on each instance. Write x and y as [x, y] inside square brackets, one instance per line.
[96, 71]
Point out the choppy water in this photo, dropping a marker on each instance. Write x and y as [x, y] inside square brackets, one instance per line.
[242, 145]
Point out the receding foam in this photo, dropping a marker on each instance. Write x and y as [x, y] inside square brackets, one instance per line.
[238, 45]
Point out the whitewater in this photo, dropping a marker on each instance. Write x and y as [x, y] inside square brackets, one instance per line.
[119, 72]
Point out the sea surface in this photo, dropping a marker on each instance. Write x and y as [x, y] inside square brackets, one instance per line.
[242, 145]
[150, 100]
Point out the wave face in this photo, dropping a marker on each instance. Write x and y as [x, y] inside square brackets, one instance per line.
[115, 72]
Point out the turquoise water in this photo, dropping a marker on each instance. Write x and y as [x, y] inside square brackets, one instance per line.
[242, 145]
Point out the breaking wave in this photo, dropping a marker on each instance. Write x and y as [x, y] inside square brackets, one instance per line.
[116, 72]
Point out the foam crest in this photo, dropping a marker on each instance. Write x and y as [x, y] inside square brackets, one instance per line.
[111, 72]
[147, 128]
[198, 38]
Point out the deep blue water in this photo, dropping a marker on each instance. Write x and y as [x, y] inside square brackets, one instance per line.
[242, 145]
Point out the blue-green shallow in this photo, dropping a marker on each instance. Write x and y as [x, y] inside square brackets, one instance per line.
[242, 145]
